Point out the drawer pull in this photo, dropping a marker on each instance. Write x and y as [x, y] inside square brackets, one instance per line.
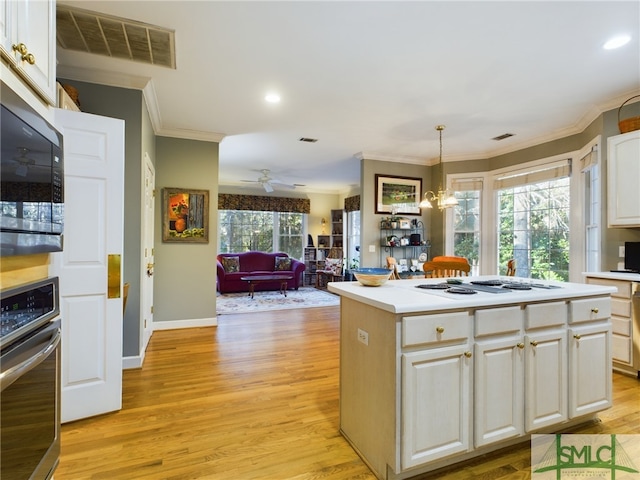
[440, 329]
[534, 343]
[520, 345]
[594, 310]
[577, 336]
[467, 354]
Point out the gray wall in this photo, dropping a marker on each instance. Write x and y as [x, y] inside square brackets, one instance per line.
[185, 273]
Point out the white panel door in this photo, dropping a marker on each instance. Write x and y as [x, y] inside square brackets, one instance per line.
[147, 247]
[93, 230]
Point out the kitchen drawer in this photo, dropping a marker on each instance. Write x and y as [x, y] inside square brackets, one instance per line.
[621, 348]
[438, 329]
[623, 287]
[621, 326]
[545, 314]
[619, 307]
[589, 309]
[498, 320]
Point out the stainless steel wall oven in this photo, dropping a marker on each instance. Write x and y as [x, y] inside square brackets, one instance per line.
[30, 381]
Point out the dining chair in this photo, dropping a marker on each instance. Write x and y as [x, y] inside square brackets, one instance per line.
[511, 268]
[392, 264]
[443, 268]
[332, 271]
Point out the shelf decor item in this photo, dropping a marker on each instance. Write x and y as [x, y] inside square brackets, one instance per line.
[185, 215]
[628, 124]
[397, 195]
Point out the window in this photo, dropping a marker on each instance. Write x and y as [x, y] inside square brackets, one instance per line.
[466, 219]
[591, 183]
[244, 230]
[533, 222]
[353, 239]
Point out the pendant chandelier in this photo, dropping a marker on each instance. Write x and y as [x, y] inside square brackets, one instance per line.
[443, 198]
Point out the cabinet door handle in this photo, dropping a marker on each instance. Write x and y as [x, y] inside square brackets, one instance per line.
[595, 310]
[577, 336]
[467, 354]
[22, 49]
[440, 329]
[520, 345]
[534, 343]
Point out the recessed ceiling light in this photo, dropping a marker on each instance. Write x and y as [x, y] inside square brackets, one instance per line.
[272, 98]
[616, 42]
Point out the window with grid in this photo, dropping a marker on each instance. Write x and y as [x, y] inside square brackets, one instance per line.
[533, 222]
[591, 181]
[466, 219]
[244, 230]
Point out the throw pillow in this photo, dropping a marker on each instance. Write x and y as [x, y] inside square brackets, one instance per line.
[231, 264]
[333, 265]
[283, 264]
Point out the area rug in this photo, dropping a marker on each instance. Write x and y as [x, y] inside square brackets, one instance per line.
[305, 297]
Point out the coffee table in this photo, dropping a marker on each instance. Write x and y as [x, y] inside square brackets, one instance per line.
[256, 279]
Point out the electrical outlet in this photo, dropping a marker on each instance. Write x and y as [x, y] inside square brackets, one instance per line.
[363, 337]
[372, 249]
[621, 251]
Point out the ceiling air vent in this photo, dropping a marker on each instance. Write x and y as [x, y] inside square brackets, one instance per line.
[308, 140]
[503, 136]
[100, 34]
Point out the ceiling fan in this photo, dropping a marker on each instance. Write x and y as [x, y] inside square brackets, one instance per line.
[268, 182]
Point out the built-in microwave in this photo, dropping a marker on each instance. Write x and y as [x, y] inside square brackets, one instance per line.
[31, 180]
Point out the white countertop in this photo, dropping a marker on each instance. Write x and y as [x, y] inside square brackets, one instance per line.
[402, 296]
[631, 277]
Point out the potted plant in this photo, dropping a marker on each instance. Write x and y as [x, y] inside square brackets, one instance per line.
[348, 274]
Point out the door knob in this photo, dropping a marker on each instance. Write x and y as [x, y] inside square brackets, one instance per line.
[149, 269]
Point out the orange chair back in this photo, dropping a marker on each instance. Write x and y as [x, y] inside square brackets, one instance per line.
[442, 269]
[511, 268]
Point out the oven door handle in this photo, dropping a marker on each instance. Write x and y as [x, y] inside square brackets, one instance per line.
[15, 372]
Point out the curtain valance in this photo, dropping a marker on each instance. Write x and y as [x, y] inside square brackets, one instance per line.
[227, 201]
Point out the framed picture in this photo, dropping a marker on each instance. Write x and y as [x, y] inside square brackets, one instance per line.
[398, 195]
[185, 215]
[404, 223]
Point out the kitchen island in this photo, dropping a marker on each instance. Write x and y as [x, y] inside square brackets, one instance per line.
[429, 378]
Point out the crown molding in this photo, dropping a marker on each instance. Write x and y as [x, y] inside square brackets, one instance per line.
[145, 84]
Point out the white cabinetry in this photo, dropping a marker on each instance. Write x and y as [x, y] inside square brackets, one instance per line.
[625, 323]
[28, 42]
[498, 370]
[545, 365]
[623, 172]
[436, 426]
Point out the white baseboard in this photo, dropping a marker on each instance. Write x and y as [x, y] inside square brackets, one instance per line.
[193, 323]
[129, 363]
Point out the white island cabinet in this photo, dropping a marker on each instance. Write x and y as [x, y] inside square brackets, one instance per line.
[429, 379]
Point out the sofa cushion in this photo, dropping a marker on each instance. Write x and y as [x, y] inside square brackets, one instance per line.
[283, 264]
[230, 264]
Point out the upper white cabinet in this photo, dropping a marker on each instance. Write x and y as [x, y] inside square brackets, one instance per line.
[29, 43]
[623, 171]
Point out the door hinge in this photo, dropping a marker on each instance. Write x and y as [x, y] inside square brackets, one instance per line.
[151, 308]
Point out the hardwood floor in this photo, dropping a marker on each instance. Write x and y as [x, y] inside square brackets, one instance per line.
[255, 398]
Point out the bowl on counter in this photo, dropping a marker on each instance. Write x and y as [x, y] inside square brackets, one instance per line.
[372, 277]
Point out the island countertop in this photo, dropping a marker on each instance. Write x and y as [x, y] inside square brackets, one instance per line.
[403, 296]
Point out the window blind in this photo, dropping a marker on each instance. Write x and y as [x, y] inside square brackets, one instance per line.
[590, 159]
[543, 173]
[466, 184]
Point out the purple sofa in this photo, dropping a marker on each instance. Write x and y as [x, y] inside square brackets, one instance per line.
[233, 266]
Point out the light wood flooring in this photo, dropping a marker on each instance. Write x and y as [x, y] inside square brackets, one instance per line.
[256, 398]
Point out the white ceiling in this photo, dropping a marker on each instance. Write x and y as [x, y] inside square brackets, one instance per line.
[372, 78]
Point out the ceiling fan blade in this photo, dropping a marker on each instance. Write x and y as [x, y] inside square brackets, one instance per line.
[267, 187]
